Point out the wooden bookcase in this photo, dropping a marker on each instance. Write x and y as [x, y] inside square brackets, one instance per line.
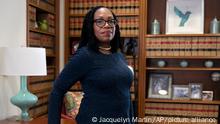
[45, 37]
[128, 16]
[196, 49]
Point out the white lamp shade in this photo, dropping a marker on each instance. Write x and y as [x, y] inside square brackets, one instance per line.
[24, 61]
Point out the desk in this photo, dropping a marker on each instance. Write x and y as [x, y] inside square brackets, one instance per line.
[40, 120]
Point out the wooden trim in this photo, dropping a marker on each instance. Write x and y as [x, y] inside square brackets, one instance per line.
[214, 102]
[57, 43]
[182, 57]
[44, 9]
[183, 69]
[182, 35]
[66, 45]
[141, 59]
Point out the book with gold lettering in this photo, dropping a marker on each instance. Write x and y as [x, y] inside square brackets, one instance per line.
[218, 46]
[188, 46]
[194, 46]
[182, 46]
[201, 44]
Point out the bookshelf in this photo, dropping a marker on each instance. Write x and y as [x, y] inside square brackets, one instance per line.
[128, 16]
[43, 31]
[196, 49]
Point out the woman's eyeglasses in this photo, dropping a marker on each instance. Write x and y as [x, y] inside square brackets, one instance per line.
[101, 22]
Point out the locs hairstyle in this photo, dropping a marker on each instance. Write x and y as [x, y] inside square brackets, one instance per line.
[88, 37]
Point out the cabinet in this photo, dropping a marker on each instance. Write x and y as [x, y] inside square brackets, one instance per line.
[196, 49]
[43, 31]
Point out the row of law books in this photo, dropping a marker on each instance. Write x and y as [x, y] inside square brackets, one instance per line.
[47, 5]
[182, 46]
[129, 26]
[49, 77]
[117, 6]
[42, 109]
[41, 86]
[41, 40]
[52, 2]
[42, 101]
[182, 110]
[50, 51]
[32, 13]
[32, 17]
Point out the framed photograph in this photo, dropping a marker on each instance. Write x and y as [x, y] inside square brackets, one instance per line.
[160, 86]
[207, 95]
[181, 92]
[195, 90]
[185, 17]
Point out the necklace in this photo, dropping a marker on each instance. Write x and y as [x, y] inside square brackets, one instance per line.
[105, 50]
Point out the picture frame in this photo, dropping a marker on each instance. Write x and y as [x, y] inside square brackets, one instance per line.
[207, 95]
[160, 86]
[185, 17]
[181, 92]
[195, 90]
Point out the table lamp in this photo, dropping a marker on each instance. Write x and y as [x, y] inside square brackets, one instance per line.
[23, 62]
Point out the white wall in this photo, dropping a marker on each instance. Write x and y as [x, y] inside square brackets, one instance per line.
[12, 33]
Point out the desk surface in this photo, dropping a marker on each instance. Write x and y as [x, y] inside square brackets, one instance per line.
[41, 120]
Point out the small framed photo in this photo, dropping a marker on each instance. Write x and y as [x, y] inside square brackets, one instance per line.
[181, 92]
[207, 95]
[185, 17]
[195, 91]
[160, 86]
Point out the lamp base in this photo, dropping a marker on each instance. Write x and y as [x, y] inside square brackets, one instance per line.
[24, 100]
[18, 118]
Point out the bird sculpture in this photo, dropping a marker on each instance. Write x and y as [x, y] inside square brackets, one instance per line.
[183, 17]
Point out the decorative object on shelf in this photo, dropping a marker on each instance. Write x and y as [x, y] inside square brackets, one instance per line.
[215, 76]
[36, 25]
[182, 17]
[161, 63]
[207, 95]
[160, 86]
[23, 61]
[184, 63]
[215, 26]
[155, 27]
[43, 25]
[181, 92]
[209, 63]
[195, 90]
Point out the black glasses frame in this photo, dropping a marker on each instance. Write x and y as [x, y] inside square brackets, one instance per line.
[111, 22]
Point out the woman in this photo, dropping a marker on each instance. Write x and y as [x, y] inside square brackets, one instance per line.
[102, 71]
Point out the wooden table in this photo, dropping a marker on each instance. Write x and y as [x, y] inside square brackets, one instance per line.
[41, 120]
